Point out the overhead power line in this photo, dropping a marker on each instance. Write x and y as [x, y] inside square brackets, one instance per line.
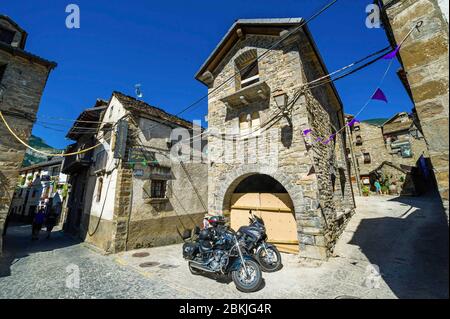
[274, 45]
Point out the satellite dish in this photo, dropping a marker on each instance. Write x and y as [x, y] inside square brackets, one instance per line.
[138, 91]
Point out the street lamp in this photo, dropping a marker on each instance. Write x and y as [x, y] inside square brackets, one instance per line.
[281, 99]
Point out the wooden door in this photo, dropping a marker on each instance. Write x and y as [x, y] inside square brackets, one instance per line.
[276, 209]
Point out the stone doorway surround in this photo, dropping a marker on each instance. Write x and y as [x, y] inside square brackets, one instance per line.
[310, 225]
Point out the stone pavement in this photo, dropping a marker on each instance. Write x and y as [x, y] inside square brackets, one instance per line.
[392, 248]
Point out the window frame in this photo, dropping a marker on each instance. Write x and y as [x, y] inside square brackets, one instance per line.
[367, 158]
[7, 32]
[158, 189]
[248, 69]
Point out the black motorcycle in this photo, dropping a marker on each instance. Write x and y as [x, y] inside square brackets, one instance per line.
[217, 250]
[254, 236]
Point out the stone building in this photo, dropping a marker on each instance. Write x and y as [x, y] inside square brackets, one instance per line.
[397, 141]
[23, 77]
[404, 140]
[37, 183]
[135, 193]
[424, 72]
[260, 159]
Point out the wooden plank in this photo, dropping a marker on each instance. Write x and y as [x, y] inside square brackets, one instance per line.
[287, 242]
[245, 199]
[255, 208]
[277, 212]
[290, 249]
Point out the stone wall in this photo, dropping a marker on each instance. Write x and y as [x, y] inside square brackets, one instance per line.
[425, 59]
[303, 169]
[24, 82]
[372, 143]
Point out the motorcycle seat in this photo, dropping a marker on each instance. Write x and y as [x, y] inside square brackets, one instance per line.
[205, 246]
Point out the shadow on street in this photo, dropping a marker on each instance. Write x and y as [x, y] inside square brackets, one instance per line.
[411, 250]
[18, 244]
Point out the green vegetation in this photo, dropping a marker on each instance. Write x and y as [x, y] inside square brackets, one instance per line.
[32, 157]
[365, 190]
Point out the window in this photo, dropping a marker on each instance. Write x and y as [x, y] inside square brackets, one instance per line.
[367, 159]
[111, 111]
[2, 71]
[99, 189]
[158, 188]
[6, 36]
[101, 159]
[405, 151]
[358, 140]
[249, 74]
[34, 193]
[247, 71]
[55, 171]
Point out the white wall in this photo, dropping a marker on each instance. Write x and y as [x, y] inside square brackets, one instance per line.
[105, 207]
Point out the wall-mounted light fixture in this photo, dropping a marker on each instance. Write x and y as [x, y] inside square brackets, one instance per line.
[281, 99]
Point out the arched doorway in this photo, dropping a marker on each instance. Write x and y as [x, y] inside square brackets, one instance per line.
[268, 199]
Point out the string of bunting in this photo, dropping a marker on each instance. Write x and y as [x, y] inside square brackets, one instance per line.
[378, 95]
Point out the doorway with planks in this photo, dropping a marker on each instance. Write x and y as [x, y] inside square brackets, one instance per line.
[268, 199]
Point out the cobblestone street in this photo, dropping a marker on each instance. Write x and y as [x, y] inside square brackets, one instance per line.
[398, 235]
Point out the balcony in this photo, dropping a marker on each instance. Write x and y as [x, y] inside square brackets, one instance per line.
[76, 162]
[253, 93]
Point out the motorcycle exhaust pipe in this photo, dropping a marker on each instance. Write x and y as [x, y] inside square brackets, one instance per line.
[197, 265]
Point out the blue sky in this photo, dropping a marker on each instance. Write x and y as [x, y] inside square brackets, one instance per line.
[161, 44]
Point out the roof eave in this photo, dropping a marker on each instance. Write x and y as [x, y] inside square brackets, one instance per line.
[29, 56]
[244, 22]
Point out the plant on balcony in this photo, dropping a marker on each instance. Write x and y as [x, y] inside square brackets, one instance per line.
[365, 190]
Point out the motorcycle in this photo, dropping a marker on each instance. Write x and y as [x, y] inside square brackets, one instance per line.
[254, 236]
[217, 250]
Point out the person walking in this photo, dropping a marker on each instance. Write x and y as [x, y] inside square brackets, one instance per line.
[51, 217]
[38, 221]
[378, 187]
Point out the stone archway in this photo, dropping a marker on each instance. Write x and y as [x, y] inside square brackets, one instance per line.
[226, 187]
[225, 190]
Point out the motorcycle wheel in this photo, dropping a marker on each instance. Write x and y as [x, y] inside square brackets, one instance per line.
[193, 270]
[270, 261]
[247, 282]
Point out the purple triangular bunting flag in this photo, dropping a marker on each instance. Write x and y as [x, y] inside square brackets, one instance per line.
[379, 95]
[306, 132]
[329, 139]
[392, 54]
[353, 122]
